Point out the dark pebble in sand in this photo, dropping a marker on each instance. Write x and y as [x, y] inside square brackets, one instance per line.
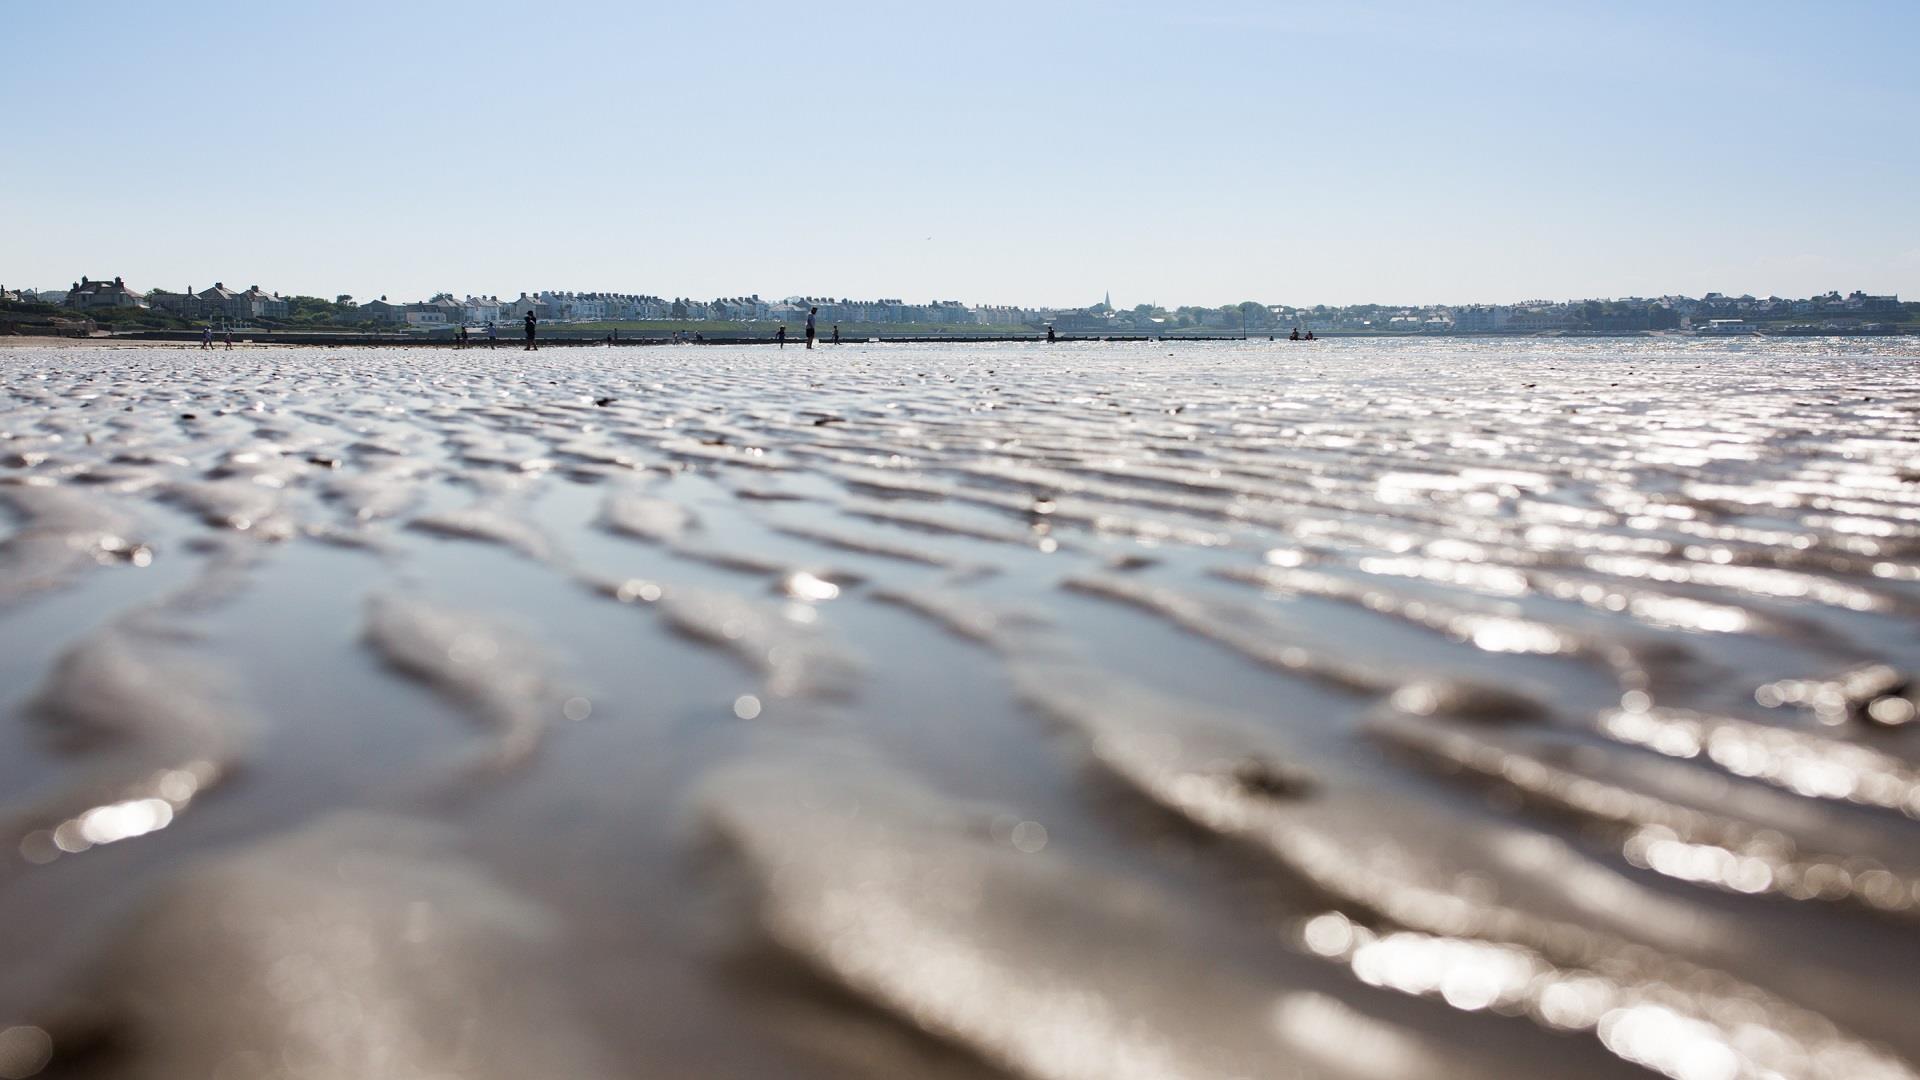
[1880, 696]
[1270, 781]
[1467, 701]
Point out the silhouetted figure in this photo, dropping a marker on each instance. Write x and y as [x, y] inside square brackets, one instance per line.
[811, 312]
[836, 333]
[531, 322]
[780, 335]
[1309, 335]
[229, 335]
[493, 334]
[1295, 336]
[1050, 338]
[206, 339]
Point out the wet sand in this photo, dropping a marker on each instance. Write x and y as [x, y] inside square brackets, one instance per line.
[1346, 709]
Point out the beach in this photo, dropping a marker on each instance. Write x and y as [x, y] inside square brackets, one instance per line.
[1352, 708]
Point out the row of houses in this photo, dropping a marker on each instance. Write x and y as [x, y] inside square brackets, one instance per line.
[1633, 314]
[1832, 303]
[446, 310]
[85, 293]
[555, 306]
[216, 302]
[843, 310]
[220, 302]
[1480, 319]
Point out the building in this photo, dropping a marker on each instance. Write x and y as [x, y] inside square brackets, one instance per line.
[1533, 320]
[1859, 301]
[380, 311]
[949, 312]
[260, 304]
[430, 315]
[517, 309]
[1480, 319]
[481, 309]
[87, 294]
[1004, 315]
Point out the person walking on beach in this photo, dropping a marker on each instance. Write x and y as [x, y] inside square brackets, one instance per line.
[836, 333]
[206, 339]
[811, 312]
[530, 320]
[493, 334]
[780, 335]
[229, 334]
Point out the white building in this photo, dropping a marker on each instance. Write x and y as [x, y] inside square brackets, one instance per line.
[480, 309]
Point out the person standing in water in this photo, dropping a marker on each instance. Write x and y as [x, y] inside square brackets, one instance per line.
[1050, 337]
[836, 333]
[530, 320]
[780, 335]
[811, 312]
[493, 334]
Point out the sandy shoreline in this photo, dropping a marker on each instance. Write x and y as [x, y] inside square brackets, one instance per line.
[1419, 708]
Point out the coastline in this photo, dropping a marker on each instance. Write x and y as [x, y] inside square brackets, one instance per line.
[190, 339]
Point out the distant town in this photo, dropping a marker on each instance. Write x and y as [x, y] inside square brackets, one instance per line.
[111, 305]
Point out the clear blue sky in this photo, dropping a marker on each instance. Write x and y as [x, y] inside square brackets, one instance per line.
[1178, 152]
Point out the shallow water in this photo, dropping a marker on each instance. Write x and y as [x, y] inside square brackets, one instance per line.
[1353, 709]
